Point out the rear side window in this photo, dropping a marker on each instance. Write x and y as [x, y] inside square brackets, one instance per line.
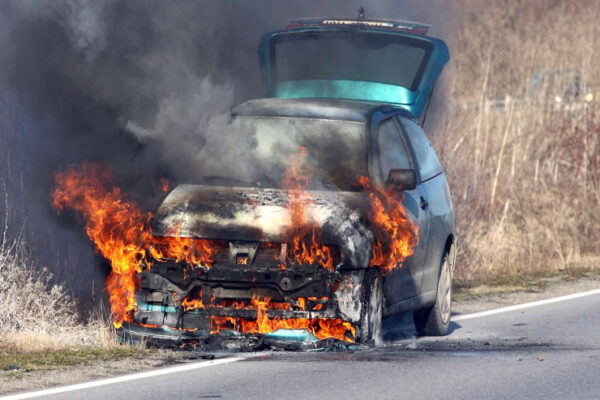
[392, 151]
[429, 164]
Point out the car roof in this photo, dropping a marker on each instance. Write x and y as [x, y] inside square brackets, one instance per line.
[345, 110]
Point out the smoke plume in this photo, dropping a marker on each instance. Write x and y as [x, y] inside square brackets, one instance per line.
[143, 86]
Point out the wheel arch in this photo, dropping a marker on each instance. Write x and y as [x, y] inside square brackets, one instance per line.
[451, 249]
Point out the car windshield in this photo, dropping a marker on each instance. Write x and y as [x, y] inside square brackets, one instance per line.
[260, 149]
[359, 56]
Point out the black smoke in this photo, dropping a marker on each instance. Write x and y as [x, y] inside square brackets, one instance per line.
[139, 85]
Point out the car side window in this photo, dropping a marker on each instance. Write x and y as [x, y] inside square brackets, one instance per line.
[429, 164]
[392, 150]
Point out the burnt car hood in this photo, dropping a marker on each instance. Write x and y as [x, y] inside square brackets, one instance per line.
[253, 214]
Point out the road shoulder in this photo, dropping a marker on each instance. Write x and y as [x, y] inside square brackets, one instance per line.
[475, 300]
[484, 298]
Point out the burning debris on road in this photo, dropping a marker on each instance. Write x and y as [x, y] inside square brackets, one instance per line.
[189, 282]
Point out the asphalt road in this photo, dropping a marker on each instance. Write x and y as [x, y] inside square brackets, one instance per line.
[548, 351]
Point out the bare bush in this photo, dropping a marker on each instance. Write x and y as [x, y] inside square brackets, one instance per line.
[521, 138]
[27, 299]
[36, 313]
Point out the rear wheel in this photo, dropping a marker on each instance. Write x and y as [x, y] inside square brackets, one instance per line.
[372, 308]
[435, 320]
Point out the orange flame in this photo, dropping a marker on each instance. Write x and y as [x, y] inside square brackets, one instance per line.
[396, 234]
[192, 304]
[322, 328]
[118, 228]
[192, 251]
[120, 232]
[164, 184]
[304, 240]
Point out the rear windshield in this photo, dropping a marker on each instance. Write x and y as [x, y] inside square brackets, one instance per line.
[360, 56]
[259, 150]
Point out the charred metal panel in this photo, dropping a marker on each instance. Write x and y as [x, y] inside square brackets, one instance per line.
[355, 242]
[348, 295]
[248, 214]
[236, 281]
[253, 215]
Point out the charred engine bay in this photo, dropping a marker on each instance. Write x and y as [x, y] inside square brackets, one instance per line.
[288, 264]
[247, 229]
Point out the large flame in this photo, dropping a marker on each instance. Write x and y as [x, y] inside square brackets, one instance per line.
[121, 232]
[396, 234]
[304, 239]
[117, 227]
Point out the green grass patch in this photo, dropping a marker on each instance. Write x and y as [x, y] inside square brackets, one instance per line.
[33, 361]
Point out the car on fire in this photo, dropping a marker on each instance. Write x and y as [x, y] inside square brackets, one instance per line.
[282, 239]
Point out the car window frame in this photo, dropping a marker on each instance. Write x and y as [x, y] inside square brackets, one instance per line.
[420, 179]
[378, 171]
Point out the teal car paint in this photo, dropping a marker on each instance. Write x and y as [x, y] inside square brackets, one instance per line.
[394, 62]
[344, 89]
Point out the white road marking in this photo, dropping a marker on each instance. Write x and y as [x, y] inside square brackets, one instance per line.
[526, 305]
[124, 378]
[203, 364]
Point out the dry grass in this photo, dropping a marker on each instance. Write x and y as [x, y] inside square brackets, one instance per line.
[36, 314]
[40, 325]
[39, 316]
[525, 176]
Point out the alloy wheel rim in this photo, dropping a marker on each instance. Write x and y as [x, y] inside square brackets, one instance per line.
[445, 292]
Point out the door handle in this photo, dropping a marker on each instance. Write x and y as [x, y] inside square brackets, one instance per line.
[423, 204]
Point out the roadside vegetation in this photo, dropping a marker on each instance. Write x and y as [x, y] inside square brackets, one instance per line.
[41, 324]
[520, 139]
[41, 327]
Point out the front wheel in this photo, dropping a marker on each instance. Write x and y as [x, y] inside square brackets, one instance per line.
[435, 320]
[372, 308]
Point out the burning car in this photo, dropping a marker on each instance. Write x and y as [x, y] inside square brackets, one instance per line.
[332, 212]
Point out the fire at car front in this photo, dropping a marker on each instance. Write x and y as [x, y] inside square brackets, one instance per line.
[282, 260]
[259, 264]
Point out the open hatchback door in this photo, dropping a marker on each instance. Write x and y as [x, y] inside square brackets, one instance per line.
[353, 59]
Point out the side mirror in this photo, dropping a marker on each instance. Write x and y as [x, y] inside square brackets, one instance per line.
[403, 179]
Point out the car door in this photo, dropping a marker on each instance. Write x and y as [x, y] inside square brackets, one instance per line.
[393, 153]
[432, 182]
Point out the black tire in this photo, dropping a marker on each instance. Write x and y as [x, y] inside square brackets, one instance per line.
[371, 313]
[435, 320]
